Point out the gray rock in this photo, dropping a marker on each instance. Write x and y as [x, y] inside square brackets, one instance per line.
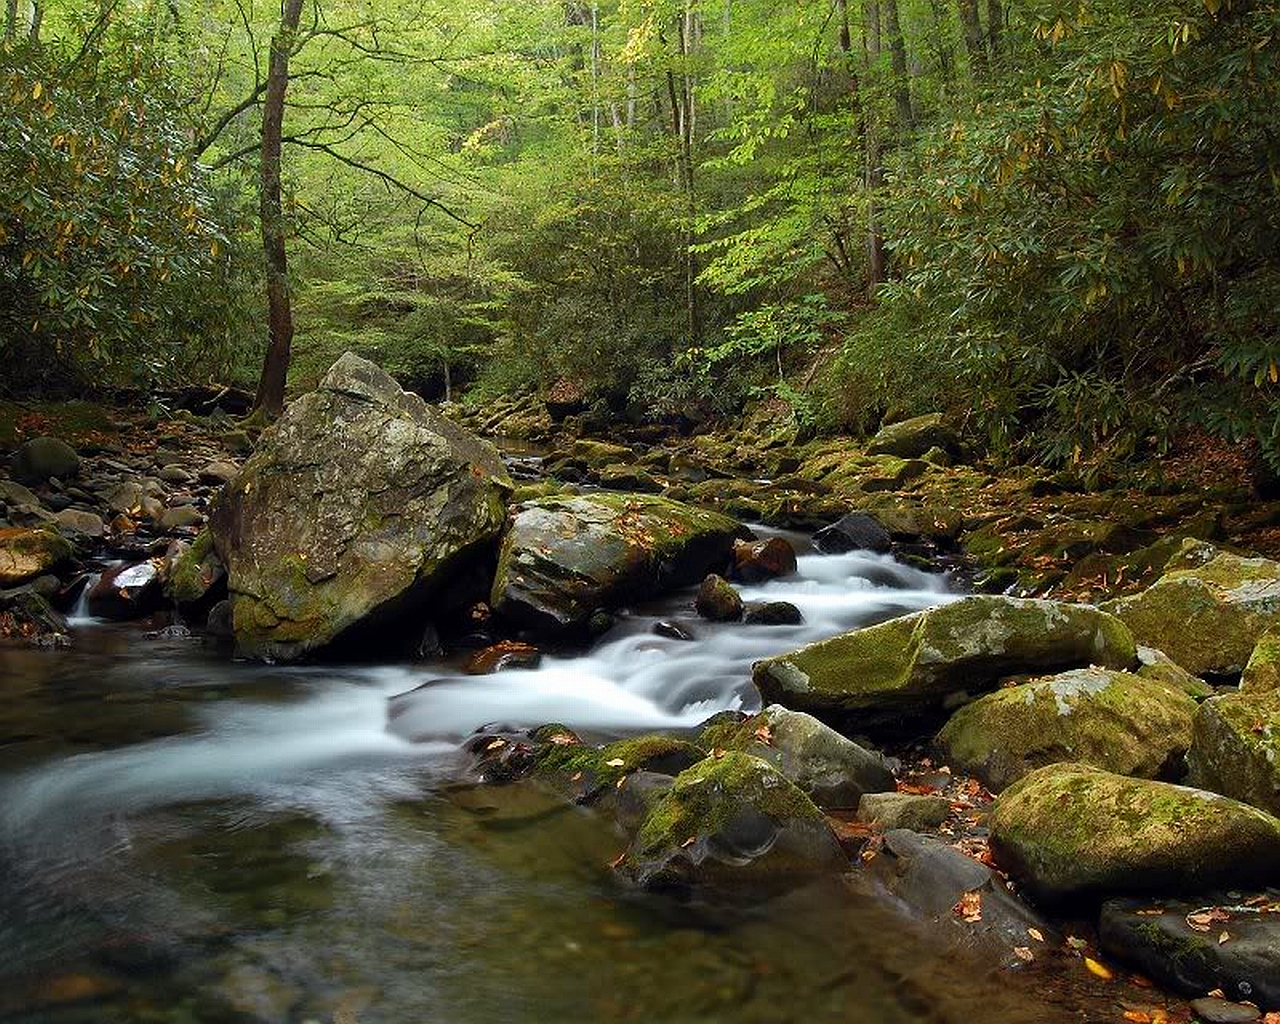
[126, 498]
[1219, 1011]
[14, 494]
[180, 517]
[772, 613]
[220, 472]
[28, 553]
[854, 532]
[917, 812]
[910, 439]
[42, 457]
[1236, 749]
[175, 474]
[717, 600]
[75, 520]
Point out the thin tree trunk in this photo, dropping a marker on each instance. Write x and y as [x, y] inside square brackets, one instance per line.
[595, 79]
[275, 367]
[10, 19]
[682, 125]
[995, 22]
[973, 41]
[37, 16]
[875, 160]
[898, 61]
[941, 45]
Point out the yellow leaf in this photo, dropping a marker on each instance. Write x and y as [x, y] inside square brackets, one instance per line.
[213, 248]
[37, 90]
[1273, 371]
[616, 762]
[1099, 970]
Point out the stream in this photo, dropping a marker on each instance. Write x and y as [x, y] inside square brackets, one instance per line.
[187, 839]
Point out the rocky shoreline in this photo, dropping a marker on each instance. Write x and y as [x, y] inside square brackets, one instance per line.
[367, 524]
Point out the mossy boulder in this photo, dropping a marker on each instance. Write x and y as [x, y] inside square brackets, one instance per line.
[565, 558]
[1070, 831]
[717, 600]
[28, 553]
[733, 821]
[1108, 719]
[1160, 668]
[1209, 617]
[1236, 750]
[912, 438]
[585, 771]
[911, 666]
[832, 769]
[1262, 671]
[195, 573]
[914, 811]
[360, 506]
[43, 457]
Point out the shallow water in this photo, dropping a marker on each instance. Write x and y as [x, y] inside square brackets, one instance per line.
[185, 839]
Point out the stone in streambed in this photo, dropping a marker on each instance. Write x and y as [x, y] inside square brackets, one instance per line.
[360, 506]
[912, 438]
[1068, 831]
[28, 553]
[1236, 750]
[717, 601]
[913, 665]
[1108, 719]
[127, 592]
[854, 532]
[772, 613]
[43, 457]
[755, 561]
[195, 571]
[499, 657]
[917, 812]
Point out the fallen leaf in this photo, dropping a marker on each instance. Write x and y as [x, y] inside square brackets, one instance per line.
[1023, 953]
[1098, 969]
[1223, 937]
[618, 859]
[496, 744]
[1036, 934]
[1204, 919]
[615, 762]
[764, 734]
[969, 907]
[689, 842]
[1137, 1016]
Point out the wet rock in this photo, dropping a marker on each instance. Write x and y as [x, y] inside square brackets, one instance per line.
[28, 553]
[584, 771]
[931, 878]
[175, 474]
[755, 561]
[833, 770]
[359, 507]
[910, 439]
[717, 600]
[221, 472]
[1209, 617]
[127, 592]
[854, 532]
[1100, 717]
[195, 571]
[912, 665]
[671, 631]
[27, 615]
[1069, 831]
[181, 517]
[1262, 671]
[1218, 1011]
[1236, 750]
[772, 613]
[87, 524]
[913, 811]
[636, 795]
[1156, 939]
[126, 498]
[43, 457]
[218, 623]
[565, 558]
[629, 478]
[507, 654]
[732, 821]
[15, 495]
[258, 994]
[1160, 668]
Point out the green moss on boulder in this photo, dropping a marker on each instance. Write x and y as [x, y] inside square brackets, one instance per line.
[28, 553]
[1236, 750]
[1262, 671]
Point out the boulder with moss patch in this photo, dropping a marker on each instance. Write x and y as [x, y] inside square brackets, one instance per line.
[1108, 719]
[1160, 668]
[732, 821]
[584, 771]
[911, 666]
[1070, 831]
[565, 558]
[1262, 671]
[912, 438]
[28, 553]
[356, 511]
[1207, 617]
[1236, 750]
[195, 573]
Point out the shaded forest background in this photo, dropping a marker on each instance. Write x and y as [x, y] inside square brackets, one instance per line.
[1057, 221]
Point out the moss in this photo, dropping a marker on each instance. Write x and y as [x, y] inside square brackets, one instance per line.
[606, 765]
[1262, 672]
[191, 575]
[1179, 949]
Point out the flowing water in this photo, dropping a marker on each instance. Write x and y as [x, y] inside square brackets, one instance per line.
[190, 840]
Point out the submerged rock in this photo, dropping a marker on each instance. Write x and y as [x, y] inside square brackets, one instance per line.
[1107, 719]
[1236, 750]
[732, 821]
[912, 665]
[28, 553]
[1209, 617]
[359, 506]
[565, 558]
[1069, 831]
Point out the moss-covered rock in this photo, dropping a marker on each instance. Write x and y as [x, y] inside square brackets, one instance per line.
[1262, 671]
[43, 457]
[195, 572]
[717, 600]
[1068, 831]
[910, 439]
[1209, 617]
[1160, 668]
[910, 666]
[586, 770]
[832, 769]
[1236, 750]
[1107, 719]
[357, 509]
[735, 821]
[28, 553]
[917, 812]
[563, 559]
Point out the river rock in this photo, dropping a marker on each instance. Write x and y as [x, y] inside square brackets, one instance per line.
[917, 812]
[28, 553]
[832, 769]
[565, 558]
[910, 439]
[507, 654]
[855, 532]
[1095, 716]
[1070, 831]
[1209, 617]
[732, 821]
[1156, 939]
[910, 666]
[755, 561]
[221, 471]
[195, 572]
[717, 601]
[181, 517]
[772, 613]
[1160, 668]
[87, 524]
[26, 614]
[43, 457]
[1262, 672]
[15, 495]
[1236, 750]
[127, 592]
[357, 508]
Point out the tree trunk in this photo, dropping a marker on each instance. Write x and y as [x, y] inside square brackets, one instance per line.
[275, 366]
[898, 61]
[973, 41]
[875, 160]
[10, 19]
[941, 42]
[37, 16]
[995, 22]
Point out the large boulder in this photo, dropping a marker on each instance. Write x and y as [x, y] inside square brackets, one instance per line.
[195, 571]
[565, 558]
[1070, 831]
[127, 591]
[1236, 749]
[28, 553]
[910, 439]
[732, 821]
[911, 666]
[855, 532]
[1108, 719]
[43, 457]
[832, 769]
[1206, 617]
[1262, 671]
[357, 508]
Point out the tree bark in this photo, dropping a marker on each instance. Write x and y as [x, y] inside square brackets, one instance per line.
[898, 62]
[10, 19]
[995, 22]
[37, 16]
[875, 159]
[275, 366]
[973, 41]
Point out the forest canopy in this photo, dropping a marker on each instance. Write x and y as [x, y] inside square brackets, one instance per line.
[1058, 220]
